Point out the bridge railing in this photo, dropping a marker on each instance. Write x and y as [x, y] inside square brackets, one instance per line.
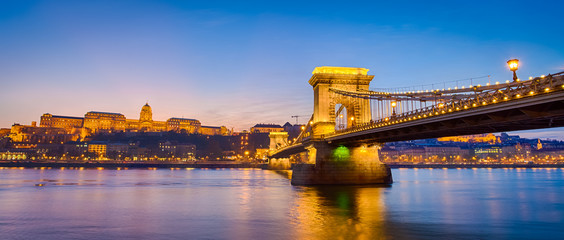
[482, 96]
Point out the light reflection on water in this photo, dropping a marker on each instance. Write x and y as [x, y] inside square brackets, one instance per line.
[257, 204]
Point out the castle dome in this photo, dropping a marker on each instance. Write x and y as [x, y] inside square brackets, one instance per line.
[146, 114]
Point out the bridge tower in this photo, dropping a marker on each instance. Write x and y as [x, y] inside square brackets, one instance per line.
[278, 139]
[344, 163]
[342, 78]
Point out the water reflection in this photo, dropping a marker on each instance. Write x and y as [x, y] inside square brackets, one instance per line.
[339, 212]
[256, 204]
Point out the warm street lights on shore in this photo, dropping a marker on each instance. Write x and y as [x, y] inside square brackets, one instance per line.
[513, 66]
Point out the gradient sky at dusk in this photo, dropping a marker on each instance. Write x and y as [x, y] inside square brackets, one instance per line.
[240, 63]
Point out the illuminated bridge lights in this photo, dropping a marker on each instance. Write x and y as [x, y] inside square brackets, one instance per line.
[484, 95]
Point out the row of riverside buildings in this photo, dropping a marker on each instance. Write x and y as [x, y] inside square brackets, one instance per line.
[112, 136]
[59, 129]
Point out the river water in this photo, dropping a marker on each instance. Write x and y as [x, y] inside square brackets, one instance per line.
[260, 204]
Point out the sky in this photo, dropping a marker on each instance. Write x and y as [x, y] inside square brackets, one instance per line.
[239, 63]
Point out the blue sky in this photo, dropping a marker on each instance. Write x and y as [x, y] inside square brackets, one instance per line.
[240, 63]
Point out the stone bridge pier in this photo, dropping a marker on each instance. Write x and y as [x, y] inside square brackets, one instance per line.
[340, 164]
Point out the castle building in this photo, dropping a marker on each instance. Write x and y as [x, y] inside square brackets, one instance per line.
[68, 123]
[96, 122]
[179, 124]
[34, 134]
[104, 121]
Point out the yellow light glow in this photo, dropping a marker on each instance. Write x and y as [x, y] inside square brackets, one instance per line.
[341, 70]
[394, 104]
[531, 92]
[352, 118]
[547, 89]
[513, 64]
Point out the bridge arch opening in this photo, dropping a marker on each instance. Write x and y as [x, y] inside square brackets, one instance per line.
[343, 117]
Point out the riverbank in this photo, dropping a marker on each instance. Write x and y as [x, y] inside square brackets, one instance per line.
[116, 165]
[454, 165]
[127, 165]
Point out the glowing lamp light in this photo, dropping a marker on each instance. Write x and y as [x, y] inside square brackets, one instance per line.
[394, 104]
[513, 66]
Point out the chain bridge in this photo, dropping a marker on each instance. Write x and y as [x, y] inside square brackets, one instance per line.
[340, 143]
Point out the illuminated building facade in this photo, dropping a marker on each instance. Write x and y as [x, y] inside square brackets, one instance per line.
[13, 155]
[266, 128]
[70, 124]
[207, 130]
[480, 138]
[34, 134]
[95, 122]
[179, 124]
[103, 121]
[99, 148]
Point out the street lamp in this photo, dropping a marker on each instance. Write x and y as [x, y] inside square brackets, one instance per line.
[513, 66]
[394, 104]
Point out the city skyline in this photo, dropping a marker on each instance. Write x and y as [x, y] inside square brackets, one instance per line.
[226, 63]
